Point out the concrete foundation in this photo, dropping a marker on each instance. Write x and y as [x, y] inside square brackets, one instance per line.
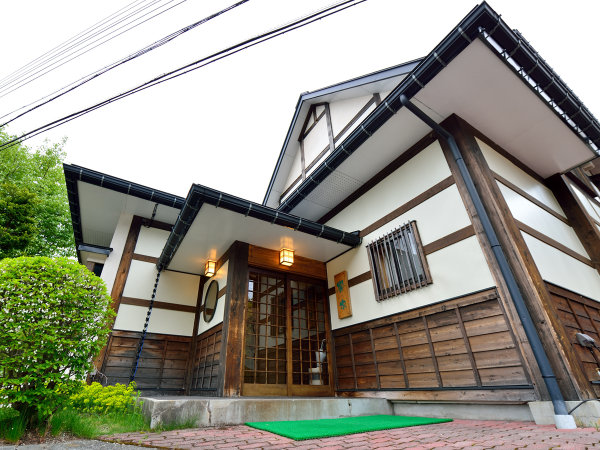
[204, 411]
[209, 411]
[586, 415]
[463, 411]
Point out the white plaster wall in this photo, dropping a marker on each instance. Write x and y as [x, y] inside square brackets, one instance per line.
[426, 169]
[296, 169]
[221, 278]
[316, 141]
[563, 270]
[554, 265]
[384, 94]
[151, 241]
[455, 270]
[518, 177]
[589, 206]
[132, 318]
[343, 111]
[534, 216]
[596, 208]
[111, 265]
[173, 287]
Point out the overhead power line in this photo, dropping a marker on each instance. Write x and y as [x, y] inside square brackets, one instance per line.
[58, 47]
[299, 23]
[86, 79]
[45, 67]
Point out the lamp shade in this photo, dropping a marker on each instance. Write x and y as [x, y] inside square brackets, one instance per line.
[209, 268]
[286, 257]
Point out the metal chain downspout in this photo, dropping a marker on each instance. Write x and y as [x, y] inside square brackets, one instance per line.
[141, 343]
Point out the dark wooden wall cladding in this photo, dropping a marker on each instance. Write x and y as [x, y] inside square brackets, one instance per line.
[269, 259]
[580, 314]
[162, 364]
[205, 375]
[461, 343]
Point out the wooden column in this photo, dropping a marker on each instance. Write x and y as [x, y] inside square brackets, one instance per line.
[121, 278]
[232, 341]
[583, 225]
[572, 382]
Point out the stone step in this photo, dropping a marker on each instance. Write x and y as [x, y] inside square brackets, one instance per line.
[207, 411]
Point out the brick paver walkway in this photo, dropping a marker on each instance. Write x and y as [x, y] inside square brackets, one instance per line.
[471, 434]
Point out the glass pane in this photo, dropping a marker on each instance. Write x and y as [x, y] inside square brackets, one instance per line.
[309, 365]
[265, 355]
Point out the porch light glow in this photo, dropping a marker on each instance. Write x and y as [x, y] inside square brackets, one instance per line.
[286, 257]
[209, 268]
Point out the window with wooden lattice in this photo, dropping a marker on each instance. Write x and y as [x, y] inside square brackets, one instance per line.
[398, 263]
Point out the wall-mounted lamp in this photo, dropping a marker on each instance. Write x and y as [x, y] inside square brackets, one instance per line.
[209, 268]
[286, 257]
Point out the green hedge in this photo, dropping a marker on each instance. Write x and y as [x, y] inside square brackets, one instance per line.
[54, 319]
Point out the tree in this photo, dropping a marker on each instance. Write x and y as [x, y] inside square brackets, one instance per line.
[54, 319]
[36, 220]
[17, 223]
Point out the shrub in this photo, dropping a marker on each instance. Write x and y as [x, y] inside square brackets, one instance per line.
[98, 399]
[54, 318]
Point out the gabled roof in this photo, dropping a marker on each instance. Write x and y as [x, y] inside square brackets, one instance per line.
[198, 233]
[489, 75]
[380, 81]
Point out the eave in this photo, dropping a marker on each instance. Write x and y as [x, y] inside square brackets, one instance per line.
[80, 179]
[212, 220]
[485, 25]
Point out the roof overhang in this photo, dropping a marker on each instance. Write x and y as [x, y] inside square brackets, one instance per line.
[377, 82]
[97, 201]
[210, 221]
[484, 72]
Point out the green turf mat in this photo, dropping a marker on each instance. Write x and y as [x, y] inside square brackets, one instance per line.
[314, 429]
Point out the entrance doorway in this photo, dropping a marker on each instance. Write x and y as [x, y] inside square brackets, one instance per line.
[286, 337]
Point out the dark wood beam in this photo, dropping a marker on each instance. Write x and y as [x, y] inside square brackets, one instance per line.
[232, 344]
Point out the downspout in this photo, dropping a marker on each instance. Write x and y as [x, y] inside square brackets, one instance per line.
[562, 418]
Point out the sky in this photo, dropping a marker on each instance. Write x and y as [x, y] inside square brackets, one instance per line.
[223, 126]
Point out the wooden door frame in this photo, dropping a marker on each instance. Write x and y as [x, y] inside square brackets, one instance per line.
[292, 390]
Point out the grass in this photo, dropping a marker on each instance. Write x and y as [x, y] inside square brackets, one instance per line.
[83, 425]
[12, 426]
[90, 426]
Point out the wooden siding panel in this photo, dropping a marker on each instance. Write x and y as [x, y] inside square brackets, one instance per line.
[462, 343]
[579, 314]
[458, 378]
[503, 376]
[206, 365]
[161, 366]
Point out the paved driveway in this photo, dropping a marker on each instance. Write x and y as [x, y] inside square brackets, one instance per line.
[471, 434]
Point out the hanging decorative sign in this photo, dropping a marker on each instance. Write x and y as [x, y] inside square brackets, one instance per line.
[342, 295]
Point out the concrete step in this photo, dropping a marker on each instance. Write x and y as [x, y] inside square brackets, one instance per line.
[207, 411]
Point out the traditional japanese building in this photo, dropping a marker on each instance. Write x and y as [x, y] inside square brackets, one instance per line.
[430, 233]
